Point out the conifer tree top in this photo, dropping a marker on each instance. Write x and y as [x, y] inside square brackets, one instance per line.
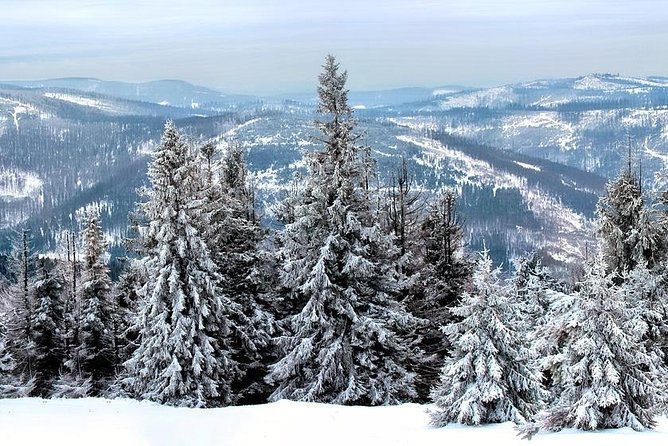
[332, 90]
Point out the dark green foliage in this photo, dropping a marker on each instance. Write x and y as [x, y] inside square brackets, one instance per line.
[48, 326]
[233, 236]
[627, 228]
[96, 334]
[125, 302]
[444, 275]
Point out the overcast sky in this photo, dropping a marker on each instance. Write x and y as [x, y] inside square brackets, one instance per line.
[264, 46]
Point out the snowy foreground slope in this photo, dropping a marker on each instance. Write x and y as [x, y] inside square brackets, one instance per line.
[33, 421]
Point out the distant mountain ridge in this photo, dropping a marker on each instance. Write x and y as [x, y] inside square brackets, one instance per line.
[180, 93]
[176, 93]
[554, 94]
[529, 160]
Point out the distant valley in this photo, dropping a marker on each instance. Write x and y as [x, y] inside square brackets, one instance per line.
[529, 161]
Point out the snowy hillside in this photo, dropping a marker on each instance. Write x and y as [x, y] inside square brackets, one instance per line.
[563, 229]
[552, 93]
[583, 122]
[167, 92]
[525, 135]
[18, 190]
[126, 422]
[53, 103]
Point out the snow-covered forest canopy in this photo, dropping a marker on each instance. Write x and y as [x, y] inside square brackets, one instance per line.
[358, 295]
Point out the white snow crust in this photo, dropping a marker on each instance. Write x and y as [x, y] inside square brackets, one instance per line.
[91, 421]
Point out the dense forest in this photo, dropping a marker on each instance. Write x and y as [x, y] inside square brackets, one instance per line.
[357, 295]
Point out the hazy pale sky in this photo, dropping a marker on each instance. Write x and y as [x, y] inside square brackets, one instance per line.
[264, 46]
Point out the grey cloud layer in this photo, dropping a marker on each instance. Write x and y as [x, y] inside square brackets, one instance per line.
[276, 45]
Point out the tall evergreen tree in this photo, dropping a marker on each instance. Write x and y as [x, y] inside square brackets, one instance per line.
[643, 290]
[273, 252]
[96, 351]
[442, 276]
[6, 362]
[488, 377]
[535, 288]
[8, 382]
[19, 303]
[627, 228]
[182, 357]
[446, 265]
[345, 345]
[48, 326]
[72, 309]
[126, 301]
[10, 386]
[233, 234]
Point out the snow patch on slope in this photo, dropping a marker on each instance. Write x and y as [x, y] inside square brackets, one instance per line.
[17, 184]
[527, 166]
[235, 130]
[471, 170]
[17, 188]
[645, 82]
[443, 91]
[492, 97]
[560, 223]
[608, 83]
[595, 82]
[563, 134]
[17, 110]
[97, 104]
[656, 154]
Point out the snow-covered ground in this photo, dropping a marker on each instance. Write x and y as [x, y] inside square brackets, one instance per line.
[106, 106]
[32, 421]
[17, 184]
[491, 97]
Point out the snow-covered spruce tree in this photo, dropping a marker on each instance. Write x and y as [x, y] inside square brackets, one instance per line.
[345, 345]
[443, 274]
[233, 234]
[48, 322]
[18, 307]
[6, 362]
[535, 288]
[627, 229]
[610, 380]
[72, 308]
[5, 354]
[642, 289]
[283, 211]
[126, 301]
[8, 381]
[543, 317]
[182, 358]
[488, 377]
[96, 336]
[447, 266]
[548, 340]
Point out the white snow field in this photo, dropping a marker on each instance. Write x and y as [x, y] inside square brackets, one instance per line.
[92, 421]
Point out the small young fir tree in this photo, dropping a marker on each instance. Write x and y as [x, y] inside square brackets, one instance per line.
[488, 377]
